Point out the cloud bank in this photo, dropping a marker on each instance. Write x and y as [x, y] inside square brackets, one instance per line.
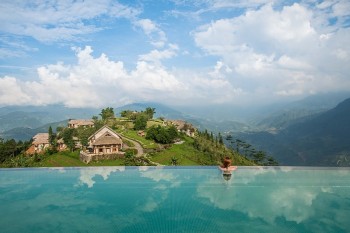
[97, 82]
[282, 52]
[264, 53]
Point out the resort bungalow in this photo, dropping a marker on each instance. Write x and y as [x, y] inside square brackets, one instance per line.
[40, 144]
[103, 144]
[184, 127]
[80, 122]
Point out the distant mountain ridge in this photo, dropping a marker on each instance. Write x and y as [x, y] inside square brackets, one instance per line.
[280, 117]
[25, 133]
[302, 138]
[319, 140]
[35, 116]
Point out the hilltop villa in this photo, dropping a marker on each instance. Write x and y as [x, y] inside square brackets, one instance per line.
[80, 122]
[184, 127]
[103, 144]
[40, 144]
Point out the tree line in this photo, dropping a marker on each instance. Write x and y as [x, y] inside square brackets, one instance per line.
[214, 150]
[10, 148]
[247, 150]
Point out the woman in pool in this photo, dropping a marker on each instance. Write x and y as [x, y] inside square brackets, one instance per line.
[226, 165]
[227, 168]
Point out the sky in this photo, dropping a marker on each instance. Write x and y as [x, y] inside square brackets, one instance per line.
[88, 53]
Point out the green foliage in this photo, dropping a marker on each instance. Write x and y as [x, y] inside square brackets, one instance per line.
[51, 136]
[20, 161]
[214, 151]
[133, 115]
[140, 122]
[146, 144]
[163, 135]
[129, 154]
[107, 113]
[67, 135]
[126, 113]
[83, 133]
[137, 161]
[221, 141]
[150, 112]
[259, 157]
[174, 161]
[11, 148]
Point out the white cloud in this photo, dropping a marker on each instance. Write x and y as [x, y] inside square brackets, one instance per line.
[11, 92]
[274, 52]
[100, 82]
[87, 174]
[156, 35]
[293, 203]
[156, 55]
[56, 21]
[268, 51]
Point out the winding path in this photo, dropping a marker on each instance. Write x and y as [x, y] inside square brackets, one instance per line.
[136, 146]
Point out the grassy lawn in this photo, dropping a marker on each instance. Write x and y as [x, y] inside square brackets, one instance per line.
[63, 159]
[185, 154]
[147, 144]
[154, 122]
[117, 162]
[71, 159]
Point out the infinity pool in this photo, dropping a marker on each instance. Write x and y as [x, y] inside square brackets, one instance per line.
[175, 199]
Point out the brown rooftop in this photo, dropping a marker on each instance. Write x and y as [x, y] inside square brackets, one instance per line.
[107, 139]
[41, 138]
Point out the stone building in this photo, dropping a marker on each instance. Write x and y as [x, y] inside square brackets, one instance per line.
[75, 123]
[103, 144]
[40, 144]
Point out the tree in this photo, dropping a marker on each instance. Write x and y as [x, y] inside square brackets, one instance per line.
[97, 123]
[94, 118]
[150, 112]
[140, 122]
[174, 161]
[8, 149]
[259, 157]
[67, 135]
[161, 134]
[51, 136]
[173, 133]
[126, 113]
[59, 129]
[107, 113]
[84, 134]
[221, 141]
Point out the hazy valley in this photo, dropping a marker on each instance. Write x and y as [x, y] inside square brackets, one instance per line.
[313, 131]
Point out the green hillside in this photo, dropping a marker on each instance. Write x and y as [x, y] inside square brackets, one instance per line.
[321, 140]
[162, 144]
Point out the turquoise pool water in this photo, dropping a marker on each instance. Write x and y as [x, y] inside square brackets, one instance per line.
[174, 199]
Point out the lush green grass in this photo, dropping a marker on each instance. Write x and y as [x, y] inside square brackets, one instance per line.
[184, 153]
[147, 144]
[62, 159]
[71, 159]
[151, 123]
[117, 162]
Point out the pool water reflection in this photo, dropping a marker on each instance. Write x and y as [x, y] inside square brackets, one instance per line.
[175, 199]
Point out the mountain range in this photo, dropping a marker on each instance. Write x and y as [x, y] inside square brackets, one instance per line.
[313, 131]
[322, 139]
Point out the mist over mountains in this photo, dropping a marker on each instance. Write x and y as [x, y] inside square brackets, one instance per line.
[321, 139]
[312, 131]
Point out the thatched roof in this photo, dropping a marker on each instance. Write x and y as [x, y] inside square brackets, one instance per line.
[81, 122]
[107, 139]
[41, 138]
